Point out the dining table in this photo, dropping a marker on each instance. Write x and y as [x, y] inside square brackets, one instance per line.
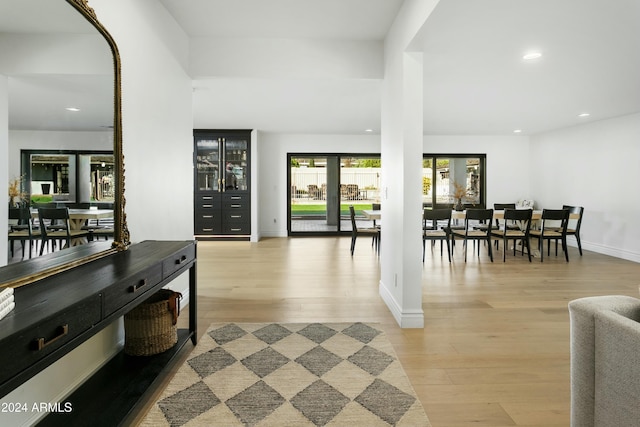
[78, 218]
[497, 214]
[372, 214]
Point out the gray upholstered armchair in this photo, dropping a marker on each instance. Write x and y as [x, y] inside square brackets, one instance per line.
[605, 361]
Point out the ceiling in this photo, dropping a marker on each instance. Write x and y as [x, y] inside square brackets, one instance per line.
[39, 95]
[475, 79]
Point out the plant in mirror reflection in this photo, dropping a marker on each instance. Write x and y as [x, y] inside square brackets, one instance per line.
[459, 191]
[16, 194]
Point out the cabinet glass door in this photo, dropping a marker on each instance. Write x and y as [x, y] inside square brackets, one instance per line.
[235, 150]
[207, 164]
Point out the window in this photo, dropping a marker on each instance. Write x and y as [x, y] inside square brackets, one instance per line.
[451, 179]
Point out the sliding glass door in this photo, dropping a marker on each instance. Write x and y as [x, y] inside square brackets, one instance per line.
[323, 186]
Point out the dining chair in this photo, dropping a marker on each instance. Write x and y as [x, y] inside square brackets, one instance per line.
[433, 229]
[575, 226]
[61, 231]
[521, 219]
[552, 231]
[374, 232]
[22, 230]
[473, 217]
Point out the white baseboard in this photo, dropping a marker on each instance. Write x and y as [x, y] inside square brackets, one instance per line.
[405, 318]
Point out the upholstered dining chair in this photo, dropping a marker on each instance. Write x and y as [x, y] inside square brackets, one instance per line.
[521, 218]
[374, 232]
[552, 231]
[473, 217]
[61, 230]
[436, 225]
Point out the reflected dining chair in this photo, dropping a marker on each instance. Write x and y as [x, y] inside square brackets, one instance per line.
[374, 232]
[61, 231]
[473, 217]
[521, 219]
[22, 230]
[434, 229]
[552, 231]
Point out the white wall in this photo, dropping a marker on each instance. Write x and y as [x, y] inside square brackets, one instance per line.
[507, 162]
[271, 182]
[593, 165]
[4, 162]
[157, 128]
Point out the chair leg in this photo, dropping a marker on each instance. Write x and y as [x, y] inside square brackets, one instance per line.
[353, 243]
[489, 247]
[579, 244]
[504, 249]
[464, 244]
[448, 250]
[564, 247]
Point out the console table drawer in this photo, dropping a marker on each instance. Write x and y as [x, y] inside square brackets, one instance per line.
[122, 293]
[178, 260]
[34, 343]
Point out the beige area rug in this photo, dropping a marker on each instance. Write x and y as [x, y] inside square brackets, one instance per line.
[290, 374]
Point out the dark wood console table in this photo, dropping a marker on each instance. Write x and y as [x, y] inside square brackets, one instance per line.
[56, 314]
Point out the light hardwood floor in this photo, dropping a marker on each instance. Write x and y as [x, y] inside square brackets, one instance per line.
[495, 347]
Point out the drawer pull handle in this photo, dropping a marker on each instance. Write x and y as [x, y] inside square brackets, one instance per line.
[207, 229]
[235, 205]
[207, 206]
[182, 259]
[207, 216]
[236, 229]
[207, 197]
[42, 343]
[236, 198]
[236, 216]
[135, 288]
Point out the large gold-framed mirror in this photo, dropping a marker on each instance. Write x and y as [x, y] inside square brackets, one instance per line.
[56, 54]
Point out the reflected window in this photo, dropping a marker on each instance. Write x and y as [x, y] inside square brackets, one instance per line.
[68, 176]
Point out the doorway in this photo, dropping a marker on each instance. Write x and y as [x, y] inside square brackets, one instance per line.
[323, 186]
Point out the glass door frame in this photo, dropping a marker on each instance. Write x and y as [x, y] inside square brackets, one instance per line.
[331, 191]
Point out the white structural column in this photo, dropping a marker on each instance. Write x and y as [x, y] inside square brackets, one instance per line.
[401, 150]
[401, 242]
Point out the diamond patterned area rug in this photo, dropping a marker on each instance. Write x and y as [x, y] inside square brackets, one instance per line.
[290, 374]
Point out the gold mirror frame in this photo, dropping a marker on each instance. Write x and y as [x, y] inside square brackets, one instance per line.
[121, 232]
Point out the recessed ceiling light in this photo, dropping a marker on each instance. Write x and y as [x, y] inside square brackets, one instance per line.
[368, 130]
[532, 55]
[74, 109]
[584, 115]
[517, 131]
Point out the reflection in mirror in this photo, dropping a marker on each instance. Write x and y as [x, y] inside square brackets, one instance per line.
[60, 65]
[68, 177]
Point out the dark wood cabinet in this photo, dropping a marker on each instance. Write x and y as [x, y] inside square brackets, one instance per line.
[56, 314]
[222, 184]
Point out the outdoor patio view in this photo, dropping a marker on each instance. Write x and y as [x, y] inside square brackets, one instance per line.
[323, 187]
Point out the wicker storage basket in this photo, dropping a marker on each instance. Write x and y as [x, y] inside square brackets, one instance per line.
[150, 328]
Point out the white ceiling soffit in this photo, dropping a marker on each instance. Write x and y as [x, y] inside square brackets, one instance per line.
[288, 106]
[332, 19]
[475, 81]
